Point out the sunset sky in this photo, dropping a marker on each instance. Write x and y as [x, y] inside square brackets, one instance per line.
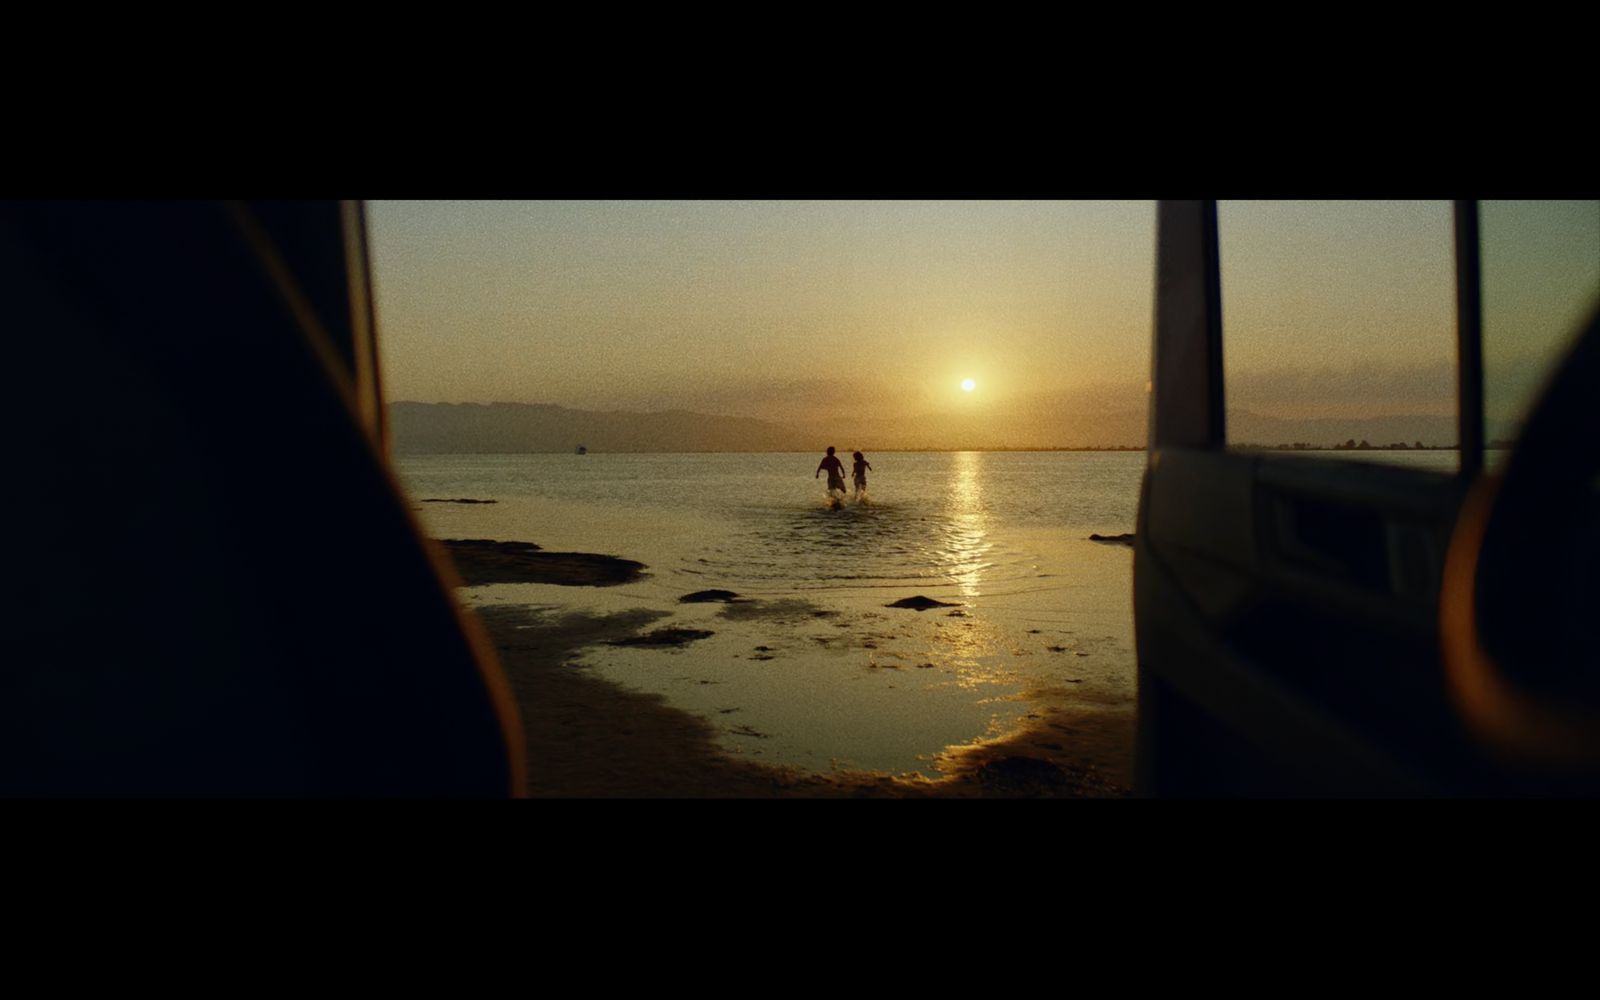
[788, 310]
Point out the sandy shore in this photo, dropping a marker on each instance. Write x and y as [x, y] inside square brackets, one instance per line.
[589, 737]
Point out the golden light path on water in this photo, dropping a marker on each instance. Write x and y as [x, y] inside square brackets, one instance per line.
[968, 544]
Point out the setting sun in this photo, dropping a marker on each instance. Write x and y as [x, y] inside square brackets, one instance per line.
[967, 385]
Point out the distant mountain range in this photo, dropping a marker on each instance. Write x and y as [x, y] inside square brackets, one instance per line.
[433, 428]
[463, 428]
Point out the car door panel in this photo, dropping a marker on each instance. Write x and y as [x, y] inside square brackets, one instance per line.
[1286, 603]
[1291, 601]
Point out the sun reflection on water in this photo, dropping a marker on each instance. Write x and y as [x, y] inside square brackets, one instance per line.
[967, 540]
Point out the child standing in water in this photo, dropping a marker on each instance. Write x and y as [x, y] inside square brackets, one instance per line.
[861, 467]
[835, 471]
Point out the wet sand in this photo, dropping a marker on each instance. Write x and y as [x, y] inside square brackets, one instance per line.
[588, 737]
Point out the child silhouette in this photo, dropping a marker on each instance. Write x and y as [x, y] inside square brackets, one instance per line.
[861, 467]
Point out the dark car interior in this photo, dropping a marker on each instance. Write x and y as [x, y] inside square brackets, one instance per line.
[221, 591]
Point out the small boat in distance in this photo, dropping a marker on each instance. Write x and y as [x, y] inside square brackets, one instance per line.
[582, 450]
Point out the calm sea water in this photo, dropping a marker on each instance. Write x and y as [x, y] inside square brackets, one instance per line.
[1045, 617]
[928, 517]
[762, 520]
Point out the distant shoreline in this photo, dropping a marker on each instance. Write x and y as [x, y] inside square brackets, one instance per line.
[542, 428]
[1491, 446]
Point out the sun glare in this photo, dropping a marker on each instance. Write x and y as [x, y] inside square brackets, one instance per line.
[967, 385]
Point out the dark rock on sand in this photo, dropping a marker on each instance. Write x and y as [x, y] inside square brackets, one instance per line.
[456, 500]
[482, 560]
[708, 596]
[1022, 776]
[1125, 538]
[920, 603]
[664, 637]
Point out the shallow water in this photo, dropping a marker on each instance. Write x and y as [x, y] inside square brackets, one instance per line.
[843, 681]
[813, 671]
